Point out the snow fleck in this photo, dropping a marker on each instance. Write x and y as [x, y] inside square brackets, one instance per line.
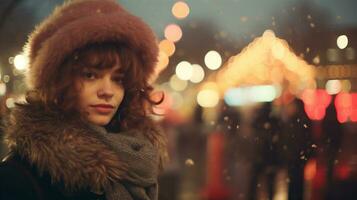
[189, 162]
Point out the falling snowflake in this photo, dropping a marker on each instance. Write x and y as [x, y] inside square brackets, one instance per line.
[189, 162]
[267, 125]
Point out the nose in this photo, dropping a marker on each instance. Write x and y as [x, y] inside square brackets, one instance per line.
[105, 89]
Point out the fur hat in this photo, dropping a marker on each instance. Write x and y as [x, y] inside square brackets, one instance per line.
[78, 23]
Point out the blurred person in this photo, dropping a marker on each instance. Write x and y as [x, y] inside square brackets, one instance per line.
[265, 161]
[295, 146]
[332, 131]
[228, 123]
[84, 131]
[191, 149]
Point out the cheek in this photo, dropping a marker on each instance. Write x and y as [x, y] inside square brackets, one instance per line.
[120, 95]
[82, 94]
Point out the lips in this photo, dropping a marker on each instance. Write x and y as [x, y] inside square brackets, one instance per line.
[103, 108]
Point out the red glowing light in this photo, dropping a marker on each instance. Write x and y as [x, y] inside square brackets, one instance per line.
[310, 170]
[342, 172]
[346, 107]
[315, 103]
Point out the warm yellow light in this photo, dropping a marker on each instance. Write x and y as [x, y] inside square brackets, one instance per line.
[267, 60]
[208, 98]
[21, 62]
[333, 86]
[268, 34]
[342, 41]
[184, 70]
[6, 78]
[2, 89]
[10, 102]
[173, 32]
[346, 85]
[177, 84]
[167, 46]
[162, 62]
[278, 50]
[197, 73]
[180, 10]
[213, 60]
[316, 60]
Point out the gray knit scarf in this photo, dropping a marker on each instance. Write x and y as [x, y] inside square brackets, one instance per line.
[142, 160]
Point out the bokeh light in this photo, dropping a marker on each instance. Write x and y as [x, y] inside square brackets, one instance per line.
[21, 62]
[167, 46]
[267, 60]
[213, 60]
[278, 50]
[162, 62]
[10, 102]
[342, 41]
[208, 98]
[315, 103]
[2, 89]
[247, 95]
[6, 78]
[310, 170]
[180, 10]
[343, 103]
[198, 73]
[177, 84]
[173, 32]
[333, 86]
[184, 70]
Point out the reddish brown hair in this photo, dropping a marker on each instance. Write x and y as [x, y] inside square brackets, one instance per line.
[136, 105]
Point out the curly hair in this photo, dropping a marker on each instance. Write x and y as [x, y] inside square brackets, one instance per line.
[136, 105]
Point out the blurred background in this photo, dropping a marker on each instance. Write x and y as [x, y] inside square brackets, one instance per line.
[260, 96]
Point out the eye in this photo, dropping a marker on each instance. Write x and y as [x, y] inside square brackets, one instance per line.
[89, 75]
[118, 80]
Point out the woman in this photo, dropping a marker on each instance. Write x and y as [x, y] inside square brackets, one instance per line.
[84, 131]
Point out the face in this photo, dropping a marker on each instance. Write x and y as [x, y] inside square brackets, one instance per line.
[100, 94]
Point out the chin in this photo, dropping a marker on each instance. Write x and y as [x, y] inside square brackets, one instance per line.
[99, 121]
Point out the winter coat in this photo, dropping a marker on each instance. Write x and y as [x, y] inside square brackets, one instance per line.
[53, 156]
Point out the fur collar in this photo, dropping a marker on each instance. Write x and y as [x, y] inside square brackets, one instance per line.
[70, 151]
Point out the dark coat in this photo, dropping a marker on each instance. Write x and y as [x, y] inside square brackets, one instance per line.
[53, 156]
[19, 180]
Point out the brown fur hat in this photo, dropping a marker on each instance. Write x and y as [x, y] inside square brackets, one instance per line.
[78, 23]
